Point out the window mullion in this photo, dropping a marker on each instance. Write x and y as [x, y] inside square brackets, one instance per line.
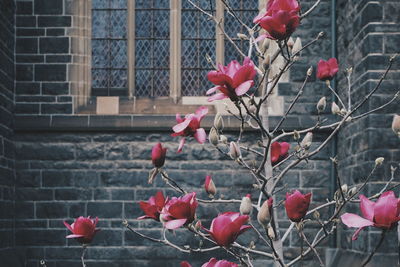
[175, 49]
[131, 47]
[219, 35]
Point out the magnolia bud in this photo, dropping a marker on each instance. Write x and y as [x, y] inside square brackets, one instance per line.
[209, 186]
[267, 61]
[335, 109]
[223, 139]
[218, 122]
[379, 161]
[252, 109]
[290, 42]
[343, 111]
[271, 233]
[213, 137]
[242, 36]
[396, 124]
[307, 140]
[234, 150]
[345, 188]
[321, 105]
[316, 215]
[265, 44]
[352, 191]
[297, 46]
[245, 206]
[264, 214]
[309, 71]
[296, 135]
[197, 226]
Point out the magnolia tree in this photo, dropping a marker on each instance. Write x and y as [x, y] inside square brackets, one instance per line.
[270, 41]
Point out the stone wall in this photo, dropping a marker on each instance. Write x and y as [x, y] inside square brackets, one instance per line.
[368, 35]
[7, 176]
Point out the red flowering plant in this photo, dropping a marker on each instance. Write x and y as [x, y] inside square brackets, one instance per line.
[269, 156]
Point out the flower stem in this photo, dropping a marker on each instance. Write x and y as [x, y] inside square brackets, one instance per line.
[83, 255]
[376, 248]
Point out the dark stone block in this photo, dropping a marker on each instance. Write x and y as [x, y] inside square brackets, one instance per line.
[24, 72]
[56, 108]
[45, 7]
[55, 32]
[51, 210]
[40, 237]
[30, 59]
[24, 8]
[73, 194]
[26, 21]
[30, 31]
[55, 88]
[32, 151]
[27, 88]
[57, 179]
[27, 45]
[50, 72]
[23, 108]
[54, 21]
[58, 59]
[54, 45]
[104, 209]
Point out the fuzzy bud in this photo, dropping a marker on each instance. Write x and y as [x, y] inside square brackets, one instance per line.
[267, 61]
[309, 71]
[343, 111]
[296, 135]
[264, 214]
[321, 105]
[197, 226]
[316, 215]
[242, 36]
[307, 141]
[234, 150]
[271, 233]
[297, 46]
[345, 188]
[379, 161]
[396, 124]
[218, 122]
[265, 44]
[290, 43]
[335, 109]
[246, 206]
[223, 139]
[210, 187]
[213, 137]
[352, 191]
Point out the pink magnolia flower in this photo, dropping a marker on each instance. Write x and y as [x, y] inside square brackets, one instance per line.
[280, 19]
[226, 227]
[213, 262]
[209, 186]
[158, 155]
[279, 151]
[383, 213]
[190, 126]
[153, 206]
[231, 81]
[83, 229]
[296, 205]
[179, 211]
[326, 70]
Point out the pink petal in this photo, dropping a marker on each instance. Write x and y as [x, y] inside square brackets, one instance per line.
[74, 236]
[356, 233]
[181, 126]
[260, 38]
[174, 224]
[178, 118]
[212, 90]
[200, 135]
[353, 220]
[181, 143]
[69, 227]
[367, 208]
[243, 88]
[385, 210]
[201, 112]
[218, 96]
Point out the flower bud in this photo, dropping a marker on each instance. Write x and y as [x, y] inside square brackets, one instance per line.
[290, 42]
[264, 214]
[271, 232]
[223, 139]
[297, 46]
[242, 36]
[197, 226]
[321, 105]
[158, 155]
[218, 122]
[379, 161]
[309, 71]
[209, 186]
[234, 150]
[267, 61]
[335, 109]
[396, 124]
[307, 140]
[296, 135]
[345, 188]
[265, 44]
[213, 137]
[245, 206]
[343, 111]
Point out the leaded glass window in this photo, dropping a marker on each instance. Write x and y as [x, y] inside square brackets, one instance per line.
[246, 10]
[152, 48]
[109, 48]
[198, 40]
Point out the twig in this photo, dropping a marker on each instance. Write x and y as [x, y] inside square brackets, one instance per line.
[310, 10]
[84, 247]
[376, 248]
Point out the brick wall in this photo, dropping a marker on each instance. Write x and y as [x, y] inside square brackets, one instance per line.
[368, 35]
[7, 177]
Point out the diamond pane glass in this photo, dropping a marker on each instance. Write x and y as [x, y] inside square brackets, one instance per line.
[109, 47]
[161, 82]
[161, 54]
[143, 82]
[161, 23]
[143, 54]
[143, 23]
